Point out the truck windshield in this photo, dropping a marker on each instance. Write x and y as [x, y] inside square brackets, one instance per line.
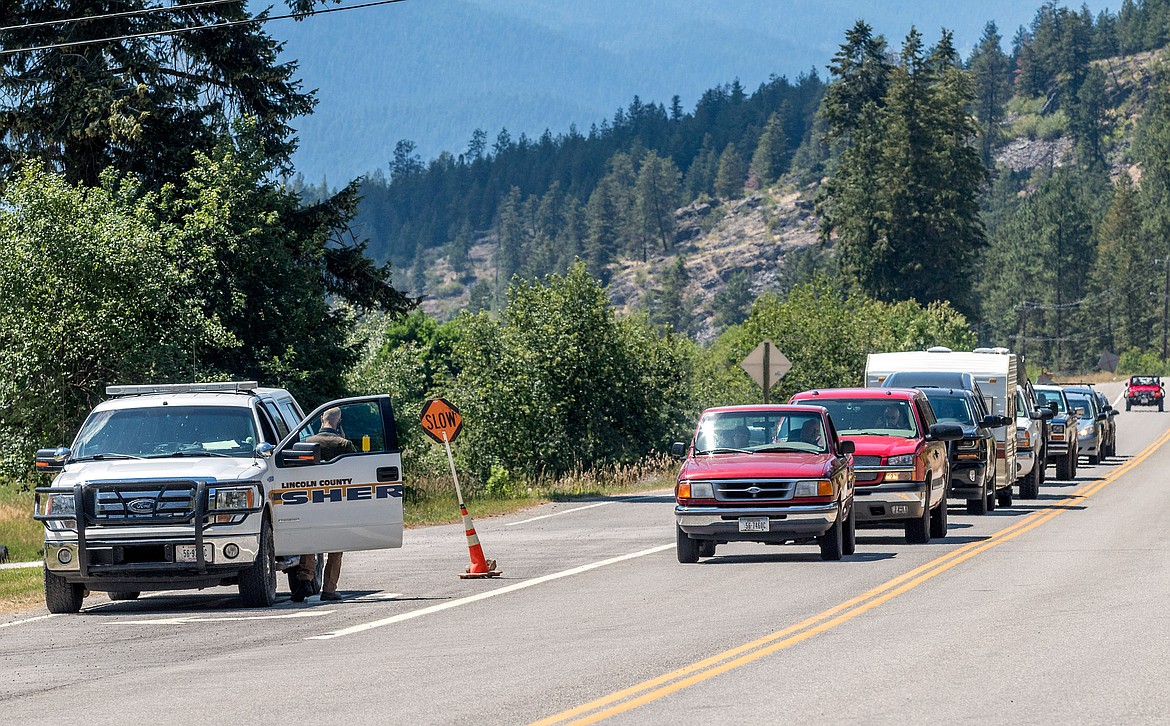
[167, 431]
[1046, 397]
[763, 431]
[950, 409]
[873, 416]
[1081, 404]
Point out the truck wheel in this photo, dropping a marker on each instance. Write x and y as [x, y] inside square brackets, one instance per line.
[833, 542]
[123, 594]
[1127, 404]
[258, 582]
[686, 548]
[918, 530]
[1064, 467]
[1030, 485]
[938, 521]
[707, 548]
[1074, 465]
[1159, 404]
[990, 497]
[850, 535]
[62, 596]
[1004, 496]
[977, 506]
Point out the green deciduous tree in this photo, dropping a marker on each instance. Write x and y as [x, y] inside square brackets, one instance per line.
[559, 384]
[91, 293]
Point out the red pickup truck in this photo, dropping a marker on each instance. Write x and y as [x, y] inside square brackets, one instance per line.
[769, 474]
[1144, 391]
[901, 460]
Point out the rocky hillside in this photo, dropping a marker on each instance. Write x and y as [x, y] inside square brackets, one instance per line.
[759, 232]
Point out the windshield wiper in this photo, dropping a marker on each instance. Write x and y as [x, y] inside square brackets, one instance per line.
[868, 433]
[723, 450]
[192, 452]
[102, 457]
[799, 450]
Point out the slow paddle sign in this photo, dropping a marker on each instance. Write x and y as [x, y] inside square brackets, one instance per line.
[441, 420]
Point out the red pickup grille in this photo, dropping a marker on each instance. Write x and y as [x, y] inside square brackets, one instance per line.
[867, 461]
[746, 491]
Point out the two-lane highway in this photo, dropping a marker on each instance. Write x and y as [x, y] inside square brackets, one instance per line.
[1047, 611]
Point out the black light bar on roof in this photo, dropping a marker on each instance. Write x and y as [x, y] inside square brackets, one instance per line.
[216, 387]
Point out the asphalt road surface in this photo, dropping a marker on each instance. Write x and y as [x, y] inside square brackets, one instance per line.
[1049, 611]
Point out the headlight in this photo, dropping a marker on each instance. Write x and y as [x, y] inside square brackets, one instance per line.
[819, 488]
[232, 498]
[968, 443]
[702, 490]
[1024, 436]
[61, 505]
[1086, 430]
[902, 460]
[1058, 428]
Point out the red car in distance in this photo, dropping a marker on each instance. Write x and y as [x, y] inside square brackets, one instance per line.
[1145, 391]
[767, 473]
[901, 459]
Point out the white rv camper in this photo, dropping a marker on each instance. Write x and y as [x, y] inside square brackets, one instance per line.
[996, 370]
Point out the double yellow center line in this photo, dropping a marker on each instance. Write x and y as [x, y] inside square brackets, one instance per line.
[664, 685]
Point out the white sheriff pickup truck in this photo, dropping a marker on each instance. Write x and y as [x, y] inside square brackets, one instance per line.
[205, 484]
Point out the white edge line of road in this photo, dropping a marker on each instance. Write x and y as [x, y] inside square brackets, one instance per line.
[27, 620]
[1117, 401]
[19, 565]
[184, 620]
[485, 595]
[587, 506]
[557, 514]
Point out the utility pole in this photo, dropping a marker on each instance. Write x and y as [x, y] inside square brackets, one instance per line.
[1165, 306]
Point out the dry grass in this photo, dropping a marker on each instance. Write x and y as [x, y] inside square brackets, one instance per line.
[21, 589]
[19, 532]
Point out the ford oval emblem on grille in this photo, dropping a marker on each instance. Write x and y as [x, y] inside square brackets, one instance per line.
[141, 506]
[754, 490]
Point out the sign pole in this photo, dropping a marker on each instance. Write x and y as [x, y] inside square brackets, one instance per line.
[767, 371]
[454, 476]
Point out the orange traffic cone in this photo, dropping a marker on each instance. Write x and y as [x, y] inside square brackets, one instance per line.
[479, 567]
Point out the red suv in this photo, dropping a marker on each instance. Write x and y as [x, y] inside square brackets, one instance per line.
[901, 458]
[768, 473]
[1144, 391]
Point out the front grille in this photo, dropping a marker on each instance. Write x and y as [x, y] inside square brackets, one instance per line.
[746, 491]
[867, 461]
[171, 501]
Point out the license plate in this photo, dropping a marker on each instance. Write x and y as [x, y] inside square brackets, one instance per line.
[188, 553]
[753, 524]
[900, 509]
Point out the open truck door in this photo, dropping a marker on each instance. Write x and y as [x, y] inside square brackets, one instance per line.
[338, 488]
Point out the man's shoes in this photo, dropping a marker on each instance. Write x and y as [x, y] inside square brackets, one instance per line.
[303, 590]
[330, 596]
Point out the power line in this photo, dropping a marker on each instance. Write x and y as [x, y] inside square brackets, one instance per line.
[176, 31]
[124, 14]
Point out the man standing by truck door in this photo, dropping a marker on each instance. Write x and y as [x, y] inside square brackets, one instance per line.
[331, 436]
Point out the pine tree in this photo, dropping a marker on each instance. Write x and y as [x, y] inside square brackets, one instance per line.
[991, 72]
[770, 159]
[656, 198]
[732, 173]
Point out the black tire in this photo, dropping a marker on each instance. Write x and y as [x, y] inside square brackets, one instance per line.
[833, 542]
[258, 582]
[123, 594]
[686, 548]
[1127, 404]
[1030, 485]
[977, 506]
[707, 548]
[1159, 405]
[1043, 466]
[1064, 467]
[918, 530]
[1076, 464]
[849, 537]
[990, 497]
[60, 596]
[1004, 496]
[938, 521]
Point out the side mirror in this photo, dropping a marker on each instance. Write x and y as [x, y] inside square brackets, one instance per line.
[1052, 407]
[1046, 414]
[302, 453]
[945, 432]
[264, 448]
[1102, 416]
[49, 461]
[846, 447]
[678, 450]
[991, 421]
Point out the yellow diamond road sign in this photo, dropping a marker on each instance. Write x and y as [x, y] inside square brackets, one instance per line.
[777, 364]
